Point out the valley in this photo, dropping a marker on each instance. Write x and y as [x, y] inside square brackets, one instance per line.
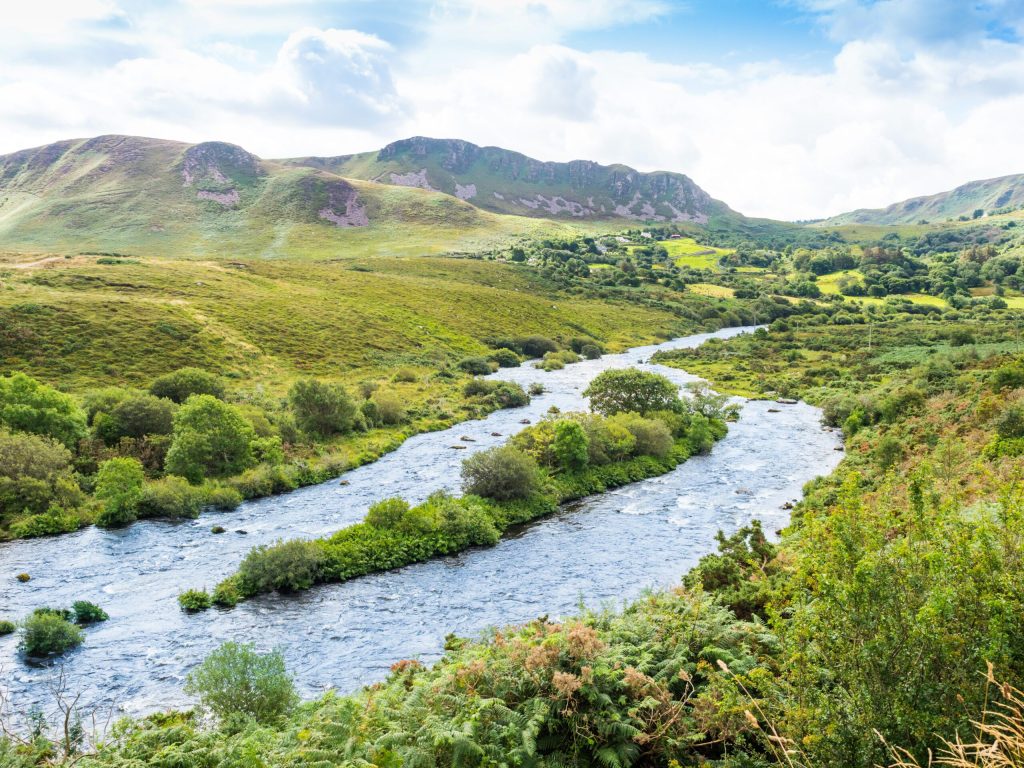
[239, 399]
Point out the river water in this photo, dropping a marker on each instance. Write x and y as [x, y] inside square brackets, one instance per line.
[602, 550]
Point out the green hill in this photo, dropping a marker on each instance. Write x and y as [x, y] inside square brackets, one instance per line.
[151, 197]
[989, 196]
[502, 181]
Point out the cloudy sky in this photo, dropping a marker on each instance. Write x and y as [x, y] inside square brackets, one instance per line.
[783, 108]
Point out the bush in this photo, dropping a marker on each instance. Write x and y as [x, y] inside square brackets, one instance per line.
[35, 472]
[477, 366]
[510, 395]
[387, 513]
[223, 498]
[183, 383]
[227, 594]
[322, 409]
[505, 358]
[285, 566]
[536, 346]
[652, 437]
[88, 613]
[405, 375]
[235, 680]
[591, 351]
[631, 390]
[192, 600]
[48, 633]
[1007, 377]
[211, 439]
[26, 405]
[104, 400]
[536, 388]
[119, 484]
[570, 445]
[7, 627]
[501, 473]
[172, 497]
[1010, 423]
[390, 407]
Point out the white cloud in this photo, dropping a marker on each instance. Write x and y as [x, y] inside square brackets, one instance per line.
[906, 107]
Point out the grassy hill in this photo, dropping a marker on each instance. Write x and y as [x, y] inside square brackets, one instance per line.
[992, 196]
[152, 197]
[498, 180]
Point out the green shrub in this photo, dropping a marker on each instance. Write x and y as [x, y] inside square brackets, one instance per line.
[49, 523]
[119, 485]
[236, 681]
[284, 566]
[390, 407]
[387, 513]
[500, 473]
[49, 633]
[192, 600]
[88, 613]
[1010, 423]
[227, 594]
[322, 409]
[27, 405]
[171, 497]
[652, 437]
[591, 351]
[222, 498]
[7, 627]
[536, 388]
[536, 346]
[183, 383]
[405, 375]
[477, 366]
[1007, 377]
[211, 439]
[505, 358]
[510, 395]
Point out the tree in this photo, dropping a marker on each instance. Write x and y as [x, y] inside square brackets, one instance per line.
[35, 472]
[570, 445]
[119, 486]
[321, 409]
[136, 416]
[26, 405]
[501, 473]
[183, 383]
[235, 680]
[210, 439]
[629, 389]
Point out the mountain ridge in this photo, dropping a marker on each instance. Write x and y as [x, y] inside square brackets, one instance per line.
[506, 181]
[999, 194]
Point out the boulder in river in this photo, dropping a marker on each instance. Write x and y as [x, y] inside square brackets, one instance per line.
[524, 421]
[467, 439]
[495, 434]
[457, 447]
[786, 401]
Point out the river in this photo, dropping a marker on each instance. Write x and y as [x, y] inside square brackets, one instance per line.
[602, 550]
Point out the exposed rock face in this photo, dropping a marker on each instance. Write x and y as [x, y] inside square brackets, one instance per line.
[509, 182]
[218, 171]
[343, 208]
[411, 179]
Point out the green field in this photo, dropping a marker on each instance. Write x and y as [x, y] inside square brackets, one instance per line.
[687, 252]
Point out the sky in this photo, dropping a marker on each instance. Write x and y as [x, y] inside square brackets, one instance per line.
[791, 109]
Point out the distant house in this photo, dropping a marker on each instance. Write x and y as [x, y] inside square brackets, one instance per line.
[675, 237]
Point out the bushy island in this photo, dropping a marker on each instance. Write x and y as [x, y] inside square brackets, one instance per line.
[640, 428]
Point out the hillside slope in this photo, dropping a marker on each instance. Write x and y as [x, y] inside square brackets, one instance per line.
[502, 181]
[989, 195]
[148, 196]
